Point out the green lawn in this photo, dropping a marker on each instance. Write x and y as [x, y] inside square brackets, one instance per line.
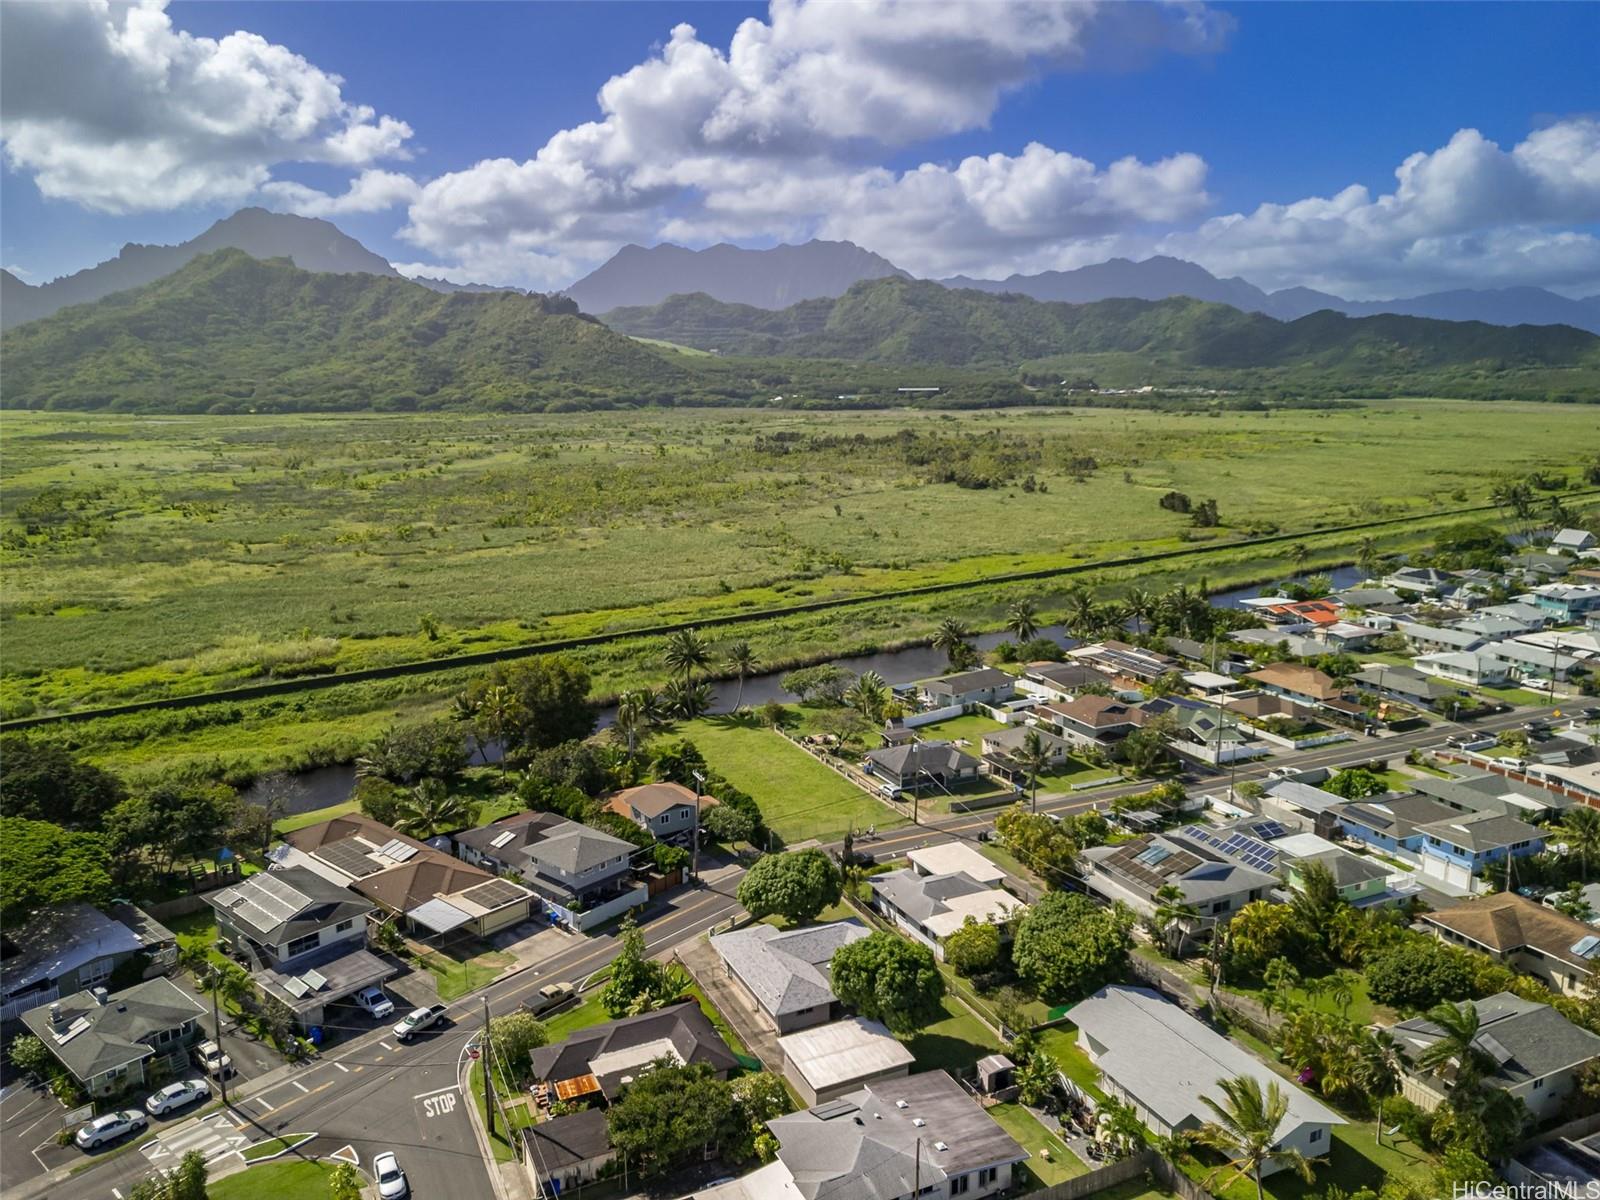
[1355, 1161]
[273, 1146]
[970, 728]
[198, 929]
[459, 977]
[799, 797]
[954, 1044]
[1074, 771]
[294, 1179]
[719, 1023]
[589, 1011]
[315, 817]
[1037, 1172]
[1061, 1043]
[1361, 1010]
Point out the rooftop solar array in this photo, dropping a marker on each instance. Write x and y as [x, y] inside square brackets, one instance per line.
[493, 894]
[349, 856]
[1240, 847]
[500, 839]
[265, 902]
[398, 850]
[1268, 831]
[834, 1108]
[1130, 860]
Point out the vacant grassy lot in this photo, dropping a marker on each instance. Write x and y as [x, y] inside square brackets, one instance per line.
[292, 1179]
[150, 555]
[799, 796]
[954, 1044]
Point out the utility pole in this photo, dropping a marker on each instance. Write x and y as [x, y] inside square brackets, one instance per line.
[216, 1024]
[488, 1076]
[916, 1176]
[694, 850]
[1555, 665]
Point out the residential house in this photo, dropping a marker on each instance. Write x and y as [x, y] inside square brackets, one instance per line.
[1534, 564]
[1002, 746]
[1576, 780]
[1527, 937]
[304, 937]
[931, 907]
[1165, 1063]
[110, 1043]
[1530, 615]
[1437, 639]
[1563, 1169]
[71, 947]
[1482, 791]
[431, 891]
[917, 1136]
[599, 1061]
[1302, 805]
[564, 1153]
[1343, 636]
[1059, 680]
[1474, 667]
[1567, 602]
[1410, 687]
[1361, 881]
[986, 685]
[825, 1062]
[786, 972]
[1424, 580]
[1303, 685]
[1295, 644]
[572, 867]
[1527, 661]
[1497, 629]
[947, 858]
[1537, 1054]
[1215, 885]
[1209, 683]
[1571, 541]
[918, 765]
[1393, 823]
[664, 809]
[1091, 721]
[1367, 597]
[1124, 661]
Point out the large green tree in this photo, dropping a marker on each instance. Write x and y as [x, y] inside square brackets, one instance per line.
[172, 821]
[973, 949]
[512, 1038]
[796, 885]
[1417, 973]
[1245, 1131]
[46, 864]
[411, 751]
[1066, 944]
[43, 782]
[886, 978]
[545, 702]
[671, 1114]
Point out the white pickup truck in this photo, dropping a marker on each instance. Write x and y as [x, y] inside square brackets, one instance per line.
[417, 1020]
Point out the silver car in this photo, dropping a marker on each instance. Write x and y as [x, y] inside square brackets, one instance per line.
[110, 1127]
[176, 1095]
[391, 1179]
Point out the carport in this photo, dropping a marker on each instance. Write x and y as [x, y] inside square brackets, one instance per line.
[324, 979]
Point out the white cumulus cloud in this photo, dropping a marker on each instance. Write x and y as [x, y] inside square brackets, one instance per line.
[371, 191]
[110, 107]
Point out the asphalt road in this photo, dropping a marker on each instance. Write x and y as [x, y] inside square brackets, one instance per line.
[373, 1094]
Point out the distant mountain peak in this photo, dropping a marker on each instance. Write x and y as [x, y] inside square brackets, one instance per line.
[772, 278]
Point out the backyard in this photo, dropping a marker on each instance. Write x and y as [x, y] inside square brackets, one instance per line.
[800, 798]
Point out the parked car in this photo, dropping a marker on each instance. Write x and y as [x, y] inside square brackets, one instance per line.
[213, 1060]
[176, 1095]
[376, 1004]
[417, 1020]
[110, 1127]
[550, 995]
[391, 1179]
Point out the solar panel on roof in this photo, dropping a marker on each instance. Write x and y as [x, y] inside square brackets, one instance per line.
[500, 839]
[297, 987]
[493, 894]
[1586, 947]
[349, 856]
[833, 1109]
[315, 980]
[397, 850]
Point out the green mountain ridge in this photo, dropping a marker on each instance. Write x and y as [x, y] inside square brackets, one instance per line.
[228, 332]
[902, 320]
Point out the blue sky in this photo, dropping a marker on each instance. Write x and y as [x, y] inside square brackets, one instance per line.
[1154, 129]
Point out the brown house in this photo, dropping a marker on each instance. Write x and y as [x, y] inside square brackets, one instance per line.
[1525, 936]
[1306, 685]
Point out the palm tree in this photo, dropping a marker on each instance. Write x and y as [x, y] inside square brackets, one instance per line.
[1111, 619]
[1342, 989]
[1173, 912]
[431, 809]
[1022, 619]
[1081, 612]
[686, 698]
[1119, 1124]
[497, 716]
[685, 651]
[951, 638]
[1456, 1046]
[1380, 1069]
[1299, 554]
[637, 713]
[1246, 1130]
[1367, 557]
[869, 696]
[1034, 758]
[743, 661]
[1139, 604]
[1580, 828]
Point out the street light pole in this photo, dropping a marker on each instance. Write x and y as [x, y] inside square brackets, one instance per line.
[694, 849]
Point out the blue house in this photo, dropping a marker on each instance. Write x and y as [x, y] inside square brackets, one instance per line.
[1567, 602]
[1468, 844]
[1394, 823]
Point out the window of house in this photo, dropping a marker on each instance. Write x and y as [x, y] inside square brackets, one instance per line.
[301, 945]
[1221, 906]
[344, 926]
[960, 1184]
[1537, 1084]
[1316, 1136]
[988, 1175]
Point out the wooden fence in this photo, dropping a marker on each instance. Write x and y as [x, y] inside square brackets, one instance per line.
[1146, 1162]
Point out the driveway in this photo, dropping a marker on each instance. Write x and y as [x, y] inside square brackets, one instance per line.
[251, 1056]
[731, 1000]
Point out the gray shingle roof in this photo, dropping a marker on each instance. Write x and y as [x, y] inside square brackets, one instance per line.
[1537, 1039]
[1348, 869]
[547, 838]
[969, 681]
[692, 1036]
[1481, 831]
[786, 971]
[113, 1032]
[280, 905]
[567, 1141]
[863, 1146]
[935, 757]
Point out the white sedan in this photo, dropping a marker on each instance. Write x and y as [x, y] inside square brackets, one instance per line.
[110, 1127]
[391, 1179]
[176, 1095]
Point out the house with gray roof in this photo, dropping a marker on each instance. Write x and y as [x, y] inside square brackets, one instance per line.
[1572, 541]
[566, 863]
[987, 685]
[1367, 597]
[914, 766]
[1216, 885]
[1518, 610]
[602, 1059]
[65, 948]
[1434, 639]
[1497, 628]
[786, 971]
[1158, 1058]
[1460, 847]
[1474, 667]
[1409, 686]
[563, 1154]
[1298, 803]
[917, 1136]
[1536, 1052]
[930, 908]
[109, 1042]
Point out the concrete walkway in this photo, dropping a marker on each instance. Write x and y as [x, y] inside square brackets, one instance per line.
[732, 1001]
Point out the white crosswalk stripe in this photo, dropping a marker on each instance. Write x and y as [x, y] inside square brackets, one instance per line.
[212, 1136]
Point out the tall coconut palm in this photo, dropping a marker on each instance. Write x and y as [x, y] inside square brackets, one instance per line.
[432, 809]
[1246, 1131]
[686, 698]
[1299, 554]
[1380, 1069]
[638, 712]
[685, 652]
[1033, 757]
[1140, 605]
[1580, 829]
[1111, 620]
[1173, 913]
[1367, 557]
[951, 638]
[1081, 611]
[869, 695]
[1456, 1047]
[1022, 619]
[742, 660]
[498, 713]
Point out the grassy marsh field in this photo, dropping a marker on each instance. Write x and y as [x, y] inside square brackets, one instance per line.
[152, 556]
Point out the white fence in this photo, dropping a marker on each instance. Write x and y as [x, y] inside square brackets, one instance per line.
[601, 913]
[934, 715]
